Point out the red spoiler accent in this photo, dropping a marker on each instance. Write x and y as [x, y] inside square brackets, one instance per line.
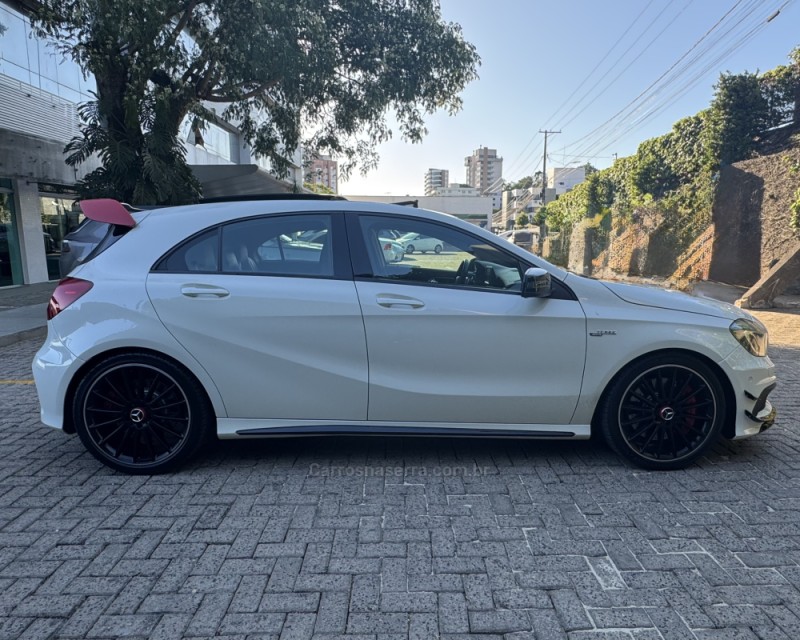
[107, 210]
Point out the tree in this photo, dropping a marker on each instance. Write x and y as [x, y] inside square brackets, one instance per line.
[526, 182]
[522, 220]
[781, 89]
[317, 187]
[522, 183]
[589, 169]
[738, 114]
[331, 68]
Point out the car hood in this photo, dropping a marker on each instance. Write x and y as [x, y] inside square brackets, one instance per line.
[674, 300]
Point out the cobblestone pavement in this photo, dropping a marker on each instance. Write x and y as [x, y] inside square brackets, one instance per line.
[401, 538]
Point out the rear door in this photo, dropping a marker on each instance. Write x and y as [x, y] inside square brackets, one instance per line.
[272, 317]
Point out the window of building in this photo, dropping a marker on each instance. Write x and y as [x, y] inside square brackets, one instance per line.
[213, 138]
[10, 257]
[60, 215]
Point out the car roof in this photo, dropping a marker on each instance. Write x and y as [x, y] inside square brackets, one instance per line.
[243, 208]
[166, 224]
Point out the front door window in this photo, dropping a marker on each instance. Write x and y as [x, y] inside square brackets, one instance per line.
[433, 254]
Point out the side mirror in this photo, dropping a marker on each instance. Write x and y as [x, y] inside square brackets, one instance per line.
[536, 283]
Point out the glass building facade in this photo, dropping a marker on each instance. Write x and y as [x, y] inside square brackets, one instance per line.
[36, 62]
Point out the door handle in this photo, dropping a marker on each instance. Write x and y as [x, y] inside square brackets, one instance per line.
[204, 291]
[394, 301]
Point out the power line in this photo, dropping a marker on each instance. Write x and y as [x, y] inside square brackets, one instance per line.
[626, 68]
[661, 77]
[677, 95]
[622, 123]
[605, 57]
[608, 137]
[608, 85]
[513, 165]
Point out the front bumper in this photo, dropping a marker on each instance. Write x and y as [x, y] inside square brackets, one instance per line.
[753, 380]
[762, 412]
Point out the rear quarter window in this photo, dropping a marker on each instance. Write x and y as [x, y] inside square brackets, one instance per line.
[200, 253]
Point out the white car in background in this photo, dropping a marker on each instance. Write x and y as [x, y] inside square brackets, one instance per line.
[185, 328]
[392, 251]
[412, 242]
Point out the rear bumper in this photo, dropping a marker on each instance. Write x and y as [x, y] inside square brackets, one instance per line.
[53, 368]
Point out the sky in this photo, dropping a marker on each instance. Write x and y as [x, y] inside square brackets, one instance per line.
[579, 67]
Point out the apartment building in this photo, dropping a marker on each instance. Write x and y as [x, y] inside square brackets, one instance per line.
[562, 179]
[324, 171]
[436, 179]
[484, 171]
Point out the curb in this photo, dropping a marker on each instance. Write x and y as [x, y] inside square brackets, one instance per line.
[19, 336]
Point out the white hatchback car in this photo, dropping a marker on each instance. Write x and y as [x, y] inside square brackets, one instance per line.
[414, 241]
[200, 321]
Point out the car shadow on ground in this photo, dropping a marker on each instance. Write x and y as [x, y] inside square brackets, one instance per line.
[416, 460]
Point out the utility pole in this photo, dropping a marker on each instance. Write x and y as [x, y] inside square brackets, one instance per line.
[543, 226]
[544, 166]
[616, 155]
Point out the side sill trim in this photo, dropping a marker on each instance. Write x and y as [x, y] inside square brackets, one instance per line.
[382, 430]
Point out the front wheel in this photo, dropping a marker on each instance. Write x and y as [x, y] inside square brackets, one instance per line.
[663, 412]
[437, 249]
[141, 413]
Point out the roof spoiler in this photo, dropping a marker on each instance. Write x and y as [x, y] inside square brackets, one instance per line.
[108, 211]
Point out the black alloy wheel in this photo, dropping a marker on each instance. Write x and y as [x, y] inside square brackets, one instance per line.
[141, 413]
[664, 412]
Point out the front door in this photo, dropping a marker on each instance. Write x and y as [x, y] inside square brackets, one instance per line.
[450, 338]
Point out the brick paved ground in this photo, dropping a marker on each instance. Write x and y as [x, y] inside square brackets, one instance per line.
[529, 540]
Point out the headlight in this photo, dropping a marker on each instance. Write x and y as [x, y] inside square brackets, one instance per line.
[751, 334]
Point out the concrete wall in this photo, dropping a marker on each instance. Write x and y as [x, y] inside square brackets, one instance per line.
[37, 159]
[29, 227]
[752, 216]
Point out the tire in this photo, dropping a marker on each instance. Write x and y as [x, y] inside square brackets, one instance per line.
[410, 249]
[664, 411]
[437, 248]
[115, 409]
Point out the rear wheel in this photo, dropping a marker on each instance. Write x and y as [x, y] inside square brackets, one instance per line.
[410, 248]
[437, 248]
[664, 411]
[141, 414]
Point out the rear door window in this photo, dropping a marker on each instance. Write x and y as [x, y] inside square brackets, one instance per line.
[296, 245]
[286, 245]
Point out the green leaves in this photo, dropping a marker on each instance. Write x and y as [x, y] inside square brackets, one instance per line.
[738, 114]
[321, 72]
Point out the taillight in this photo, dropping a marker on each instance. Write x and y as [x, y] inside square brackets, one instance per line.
[67, 292]
[387, 246]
